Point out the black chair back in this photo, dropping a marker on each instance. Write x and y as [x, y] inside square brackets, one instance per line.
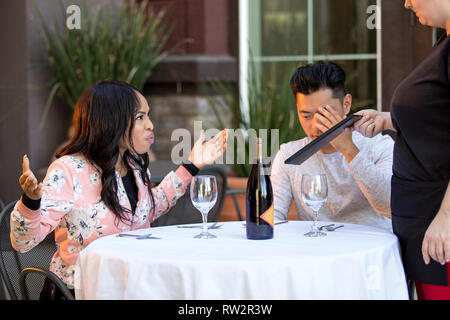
[13, 262]
[184, 212]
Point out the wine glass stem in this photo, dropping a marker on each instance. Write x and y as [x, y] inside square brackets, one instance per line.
[205, 221]
[314, 225]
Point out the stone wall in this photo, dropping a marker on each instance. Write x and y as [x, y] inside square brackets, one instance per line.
[170, 112]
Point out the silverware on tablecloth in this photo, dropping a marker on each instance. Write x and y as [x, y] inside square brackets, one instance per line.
[333, 228]
[147, 236]
[213, 226]
[137, 236]
[131, 235]
[327, 226]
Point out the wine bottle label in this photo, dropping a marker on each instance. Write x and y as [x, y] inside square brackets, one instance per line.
[268, 215]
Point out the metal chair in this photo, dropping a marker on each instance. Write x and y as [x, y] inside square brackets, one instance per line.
[233, 193]
[24, 273]
[184, 212]
[2, 285]
[411, 289]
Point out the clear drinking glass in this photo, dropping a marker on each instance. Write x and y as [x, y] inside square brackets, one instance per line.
[204, 197]
[314, 194]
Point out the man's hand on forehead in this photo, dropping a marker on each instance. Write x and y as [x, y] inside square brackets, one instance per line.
[328, 118]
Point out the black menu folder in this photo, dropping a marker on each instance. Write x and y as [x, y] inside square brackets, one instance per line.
[311, 148]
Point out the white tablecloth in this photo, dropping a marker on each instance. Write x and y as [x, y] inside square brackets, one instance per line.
[353, 262]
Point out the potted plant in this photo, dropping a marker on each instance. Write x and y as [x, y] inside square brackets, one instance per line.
[124, 44]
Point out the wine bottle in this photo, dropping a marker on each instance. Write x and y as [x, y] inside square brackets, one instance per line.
[259, 200]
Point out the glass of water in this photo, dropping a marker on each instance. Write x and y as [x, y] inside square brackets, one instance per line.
[204, 197]
[314, 194]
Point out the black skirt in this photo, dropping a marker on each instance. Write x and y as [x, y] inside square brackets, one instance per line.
[414, 206]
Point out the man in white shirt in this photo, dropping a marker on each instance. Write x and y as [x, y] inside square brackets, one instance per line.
[358, 169]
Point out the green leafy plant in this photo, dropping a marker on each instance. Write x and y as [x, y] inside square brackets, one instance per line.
[271, 106]
[124, 44]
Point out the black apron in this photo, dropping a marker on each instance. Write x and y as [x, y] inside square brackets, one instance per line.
[421, 168]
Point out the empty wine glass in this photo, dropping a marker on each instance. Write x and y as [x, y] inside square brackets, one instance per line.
[314, 194]
[204, 197]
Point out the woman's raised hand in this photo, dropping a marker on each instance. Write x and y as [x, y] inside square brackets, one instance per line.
[205, 153]
[28, 181]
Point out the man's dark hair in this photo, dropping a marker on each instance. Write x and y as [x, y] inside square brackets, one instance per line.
[320, 75]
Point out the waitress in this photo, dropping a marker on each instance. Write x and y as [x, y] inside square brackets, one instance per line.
[420, 196]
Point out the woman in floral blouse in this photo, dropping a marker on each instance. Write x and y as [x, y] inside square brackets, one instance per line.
[100, 183]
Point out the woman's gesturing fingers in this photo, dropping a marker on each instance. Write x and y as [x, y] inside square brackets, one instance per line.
[205, 153]
[28, 181]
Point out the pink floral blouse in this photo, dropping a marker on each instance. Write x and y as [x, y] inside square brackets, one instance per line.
[71, 205]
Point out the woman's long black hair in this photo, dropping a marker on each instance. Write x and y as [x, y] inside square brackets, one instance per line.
[103, 114]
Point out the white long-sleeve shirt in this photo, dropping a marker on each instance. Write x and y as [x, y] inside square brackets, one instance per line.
[358, 192]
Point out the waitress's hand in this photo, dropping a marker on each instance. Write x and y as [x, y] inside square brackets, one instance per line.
[28, 181]
[436, 243]
[373, 122]
[205, 153]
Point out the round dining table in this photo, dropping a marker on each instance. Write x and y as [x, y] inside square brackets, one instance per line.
[352, 262]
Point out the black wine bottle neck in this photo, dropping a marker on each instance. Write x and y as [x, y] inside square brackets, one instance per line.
[259, 151]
